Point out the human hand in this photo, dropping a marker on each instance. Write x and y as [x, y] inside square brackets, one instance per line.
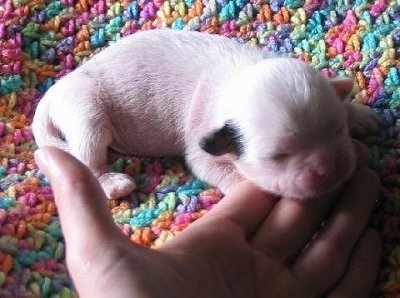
[249, 245]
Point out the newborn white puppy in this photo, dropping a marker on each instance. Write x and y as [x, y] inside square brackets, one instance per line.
[233, 111]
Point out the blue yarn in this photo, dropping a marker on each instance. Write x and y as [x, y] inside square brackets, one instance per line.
[132, 11]
[228, 12]
[144, 218]
[189, 3]
[276, 5]
[66, 45]
[370, 42]
[6, 203]
[10, 84]
[98, 38]
[43, 87]
[3, 172]
[53, 9]
[178, 24]
[293, 3]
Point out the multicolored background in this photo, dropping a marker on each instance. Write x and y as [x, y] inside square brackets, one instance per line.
[42, 40]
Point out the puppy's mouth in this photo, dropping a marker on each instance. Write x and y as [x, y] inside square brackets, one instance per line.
[310, 186]
[314, 192]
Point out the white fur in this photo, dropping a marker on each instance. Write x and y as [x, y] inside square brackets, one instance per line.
[158, 93]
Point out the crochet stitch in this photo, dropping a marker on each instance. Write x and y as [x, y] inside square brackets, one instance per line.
[41, 41]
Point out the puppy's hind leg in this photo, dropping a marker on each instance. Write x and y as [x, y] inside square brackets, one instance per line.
[89, 132]
[93, 152]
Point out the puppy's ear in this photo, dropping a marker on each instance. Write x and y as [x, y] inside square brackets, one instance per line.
[343, 87]
[224, 140]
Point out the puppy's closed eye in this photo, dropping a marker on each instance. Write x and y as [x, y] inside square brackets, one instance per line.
[279, 157]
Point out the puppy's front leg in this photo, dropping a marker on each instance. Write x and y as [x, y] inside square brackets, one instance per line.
[216, 171]
[362, 119]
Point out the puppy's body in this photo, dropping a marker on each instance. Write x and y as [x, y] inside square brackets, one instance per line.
[275, 121]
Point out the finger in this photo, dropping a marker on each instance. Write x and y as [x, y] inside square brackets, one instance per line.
[325, 259]
[290, 226]
[81, 203]
[245, 205]
[361, 273]
[361, 153]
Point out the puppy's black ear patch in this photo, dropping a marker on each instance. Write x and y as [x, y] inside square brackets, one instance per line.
[224, 140]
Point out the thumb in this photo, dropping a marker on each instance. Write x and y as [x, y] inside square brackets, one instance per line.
[81, 202]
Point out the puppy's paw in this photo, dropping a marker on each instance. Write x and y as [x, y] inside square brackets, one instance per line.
[117, 185]
[226, 184]
[362, 120]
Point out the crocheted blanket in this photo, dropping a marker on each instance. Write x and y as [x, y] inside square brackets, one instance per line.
[42, 40]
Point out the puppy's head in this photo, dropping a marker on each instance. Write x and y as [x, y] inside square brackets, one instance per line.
[286, 126]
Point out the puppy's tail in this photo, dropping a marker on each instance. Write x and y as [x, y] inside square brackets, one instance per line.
[44, 129]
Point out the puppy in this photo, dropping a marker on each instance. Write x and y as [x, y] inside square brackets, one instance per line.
[233, 111]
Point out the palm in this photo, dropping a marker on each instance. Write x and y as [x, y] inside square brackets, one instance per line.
[234, 251]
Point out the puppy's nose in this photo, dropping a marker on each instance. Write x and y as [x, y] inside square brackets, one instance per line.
[317, 170]
[323, 168]
[320, 163]
[308, 179]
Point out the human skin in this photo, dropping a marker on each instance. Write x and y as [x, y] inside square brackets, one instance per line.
[250, 244]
